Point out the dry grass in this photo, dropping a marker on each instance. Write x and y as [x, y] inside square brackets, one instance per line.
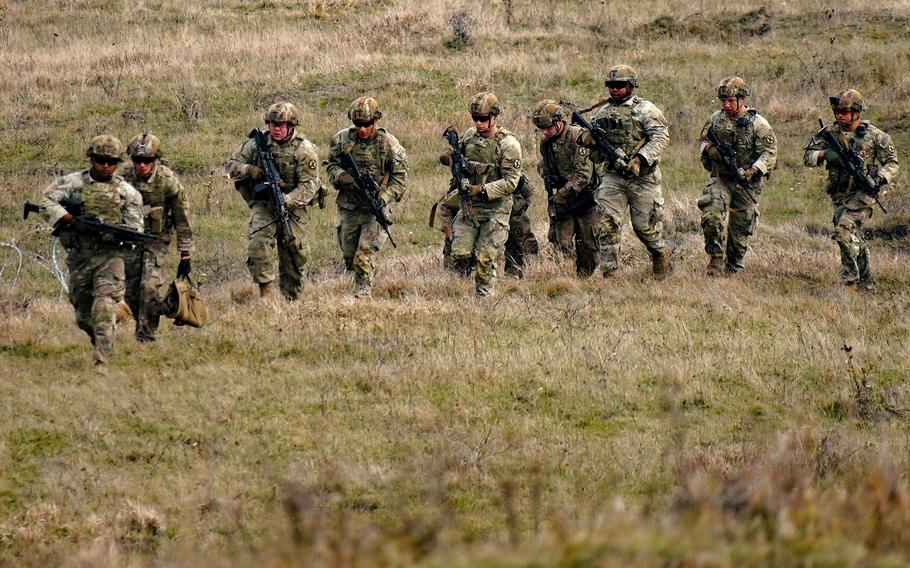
[757, 420]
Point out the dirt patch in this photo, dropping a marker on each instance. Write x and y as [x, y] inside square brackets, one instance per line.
[753, 23]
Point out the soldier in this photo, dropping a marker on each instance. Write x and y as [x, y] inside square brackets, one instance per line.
[298, 166]
[638, 128]
[379, 155]
[724, 202]
[166, 212]
[521, 244]
[493, 155]
[852, 206]
[569, 177]
[95, 263]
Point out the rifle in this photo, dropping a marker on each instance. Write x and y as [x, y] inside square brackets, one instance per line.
[272, 185]
[459, 167]
[728, 159]
[94, 227]
[853, 164]
[617, 157]
[368, 192]
[552, 180]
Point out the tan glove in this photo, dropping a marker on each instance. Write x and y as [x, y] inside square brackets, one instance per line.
[445, 158]
[586, 139]
[634, 166]
[254, 172]
[562, 195]
[474, 190]
[345, 182]
[751, 173]
[713, 153]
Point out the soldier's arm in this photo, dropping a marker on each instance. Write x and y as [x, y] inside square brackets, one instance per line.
[239, 164]
[178, 209]
[307, 175]
[131, 207]
[657, 132]
[398, 172]
[509, 168]
[333, 164]
[765, 145]
[886, 155]
[582, 169]
[814, 150]
[51, 198]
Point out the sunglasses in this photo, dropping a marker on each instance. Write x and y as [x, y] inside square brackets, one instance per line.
[616, 85]
[143, 160]
[104, 161]
[480, 117]
[363, 123]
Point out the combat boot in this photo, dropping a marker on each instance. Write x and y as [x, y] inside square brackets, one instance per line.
[266, 289]
[660, 265]
[715, 266]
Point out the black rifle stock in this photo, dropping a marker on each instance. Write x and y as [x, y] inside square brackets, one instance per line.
[459, 168]
[93, 226]
[272, 185]
[368, 192]
[616, 156]
[852, 164]
[728, 159]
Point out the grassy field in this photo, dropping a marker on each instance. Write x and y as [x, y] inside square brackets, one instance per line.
[760, 420]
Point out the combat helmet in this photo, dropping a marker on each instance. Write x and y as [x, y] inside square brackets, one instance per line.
[282, 111]
[105, 146]
[144, 145]
[364, 109]
[621, 74]
[484, 103]
[851, 99]
[732, 87]
[546, 112]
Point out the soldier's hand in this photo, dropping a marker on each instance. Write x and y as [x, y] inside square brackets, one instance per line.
[751, 173]
[586, 139]
[445, 158]
[634, 166]
[474, 190]
[832, 157]
[184, 268]
[78, 225]
[65, 220]
[451, 199]
[713, 153]
[346, 181]
[254, 173]
[561, 196]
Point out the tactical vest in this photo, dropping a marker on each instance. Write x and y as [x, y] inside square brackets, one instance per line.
[286, 160]
[153, 199]
[483, 150]
[621, 130]
[861, 144]
[102, 200]
[371, 156]
[740, 133]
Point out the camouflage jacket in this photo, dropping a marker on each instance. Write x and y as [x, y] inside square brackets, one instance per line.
[381, 156]
[297, 163]
[572, 166]
[873, 146]
[493, 162]
[164, 204]
[633, 123]
[750, 135]
[114, 202]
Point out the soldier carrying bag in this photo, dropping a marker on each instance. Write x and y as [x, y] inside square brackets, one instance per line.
[184, 304]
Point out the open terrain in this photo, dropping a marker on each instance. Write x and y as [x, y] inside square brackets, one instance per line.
[750, 421]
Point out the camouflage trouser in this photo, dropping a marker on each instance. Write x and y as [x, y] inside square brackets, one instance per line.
[483, 239]
[575, 236]
[723, 203]
[643, 197]
[521, 241]
[146, 286]
[360, 237]
[850, 212]
[96, 284]
[445, 216]
[291, 257]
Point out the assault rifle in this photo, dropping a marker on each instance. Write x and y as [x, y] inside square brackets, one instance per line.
[459, 168]
[92, 225]
[728, 159]
[853, 165]
[616, 156]
[368, 192]
[272, 185]
[553, 180]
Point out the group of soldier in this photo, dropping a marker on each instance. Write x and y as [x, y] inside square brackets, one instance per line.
[593, 175]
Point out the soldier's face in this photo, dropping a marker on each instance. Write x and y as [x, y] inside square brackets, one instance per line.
[732, 106]
[364, 129]
[619, 91]
[103, 168]
[143, 166]
[485, 124]
[847, 118]
[553, 130]
[279, 130]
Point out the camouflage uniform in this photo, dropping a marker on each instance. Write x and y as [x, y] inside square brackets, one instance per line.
[96, 266]
[640, 129]
[756, 147]
[298, 166]
[495, 163]
[360, 236]
[573, 225]
[166, 213]
[521, 242]
[852, 207]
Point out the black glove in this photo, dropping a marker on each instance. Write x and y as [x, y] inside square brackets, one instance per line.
[184, 268]
[832, 157]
